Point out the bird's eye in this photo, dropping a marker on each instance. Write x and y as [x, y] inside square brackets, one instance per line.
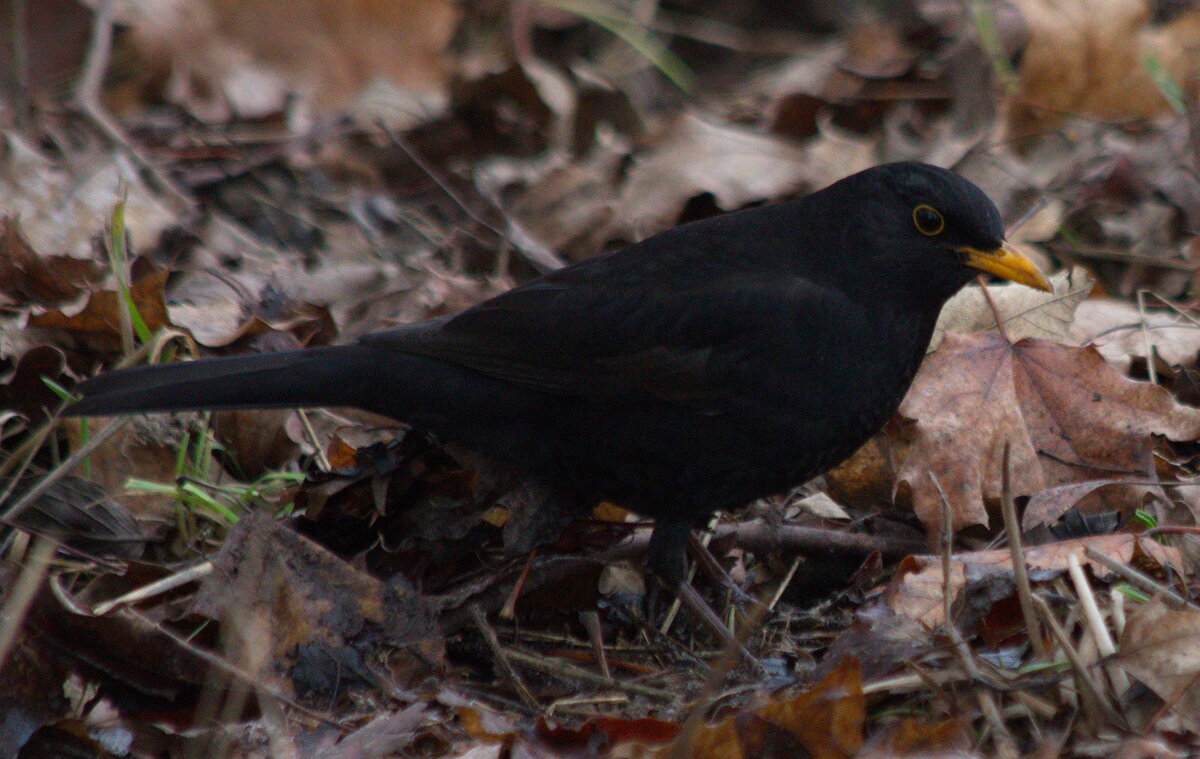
[928, 220]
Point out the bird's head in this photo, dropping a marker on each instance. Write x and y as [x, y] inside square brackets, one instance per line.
[929, 231]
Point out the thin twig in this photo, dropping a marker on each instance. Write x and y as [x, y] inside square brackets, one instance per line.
[787, 580]
[569, 671]
[1134, 577]
[22, 593]
[1151, 372]
[1020, 571]
[1006, 745]
[591, 622]
[1097, 709]
[85, 98]
[987, 294]
[501, 657]
[1095, 624]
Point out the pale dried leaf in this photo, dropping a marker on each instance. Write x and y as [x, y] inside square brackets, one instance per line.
[919, 593]
[62, 210]
[821, 505]
[1025, 312]
[735, 165]
[1122, 333]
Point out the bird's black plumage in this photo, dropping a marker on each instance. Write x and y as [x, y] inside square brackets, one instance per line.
[706, 366]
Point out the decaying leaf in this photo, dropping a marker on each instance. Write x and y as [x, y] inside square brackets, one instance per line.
[1096, 57]
[824, 722]
[27, 277]
[696, 156]
[100, 317]
[1024, 311]
[919, 589]
[325, 616]
[1161, 647]
[1067, 415]
[1122, 333]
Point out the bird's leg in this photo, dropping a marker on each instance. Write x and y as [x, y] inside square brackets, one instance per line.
[666, 560]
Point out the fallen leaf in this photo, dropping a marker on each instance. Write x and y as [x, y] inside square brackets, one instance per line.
[1160, 646]
[826, 721]
[325, 618]
[100, 317]
[1094, 57]
[695, 156]
[380, 59]
[27, 277]
[1025, 312]
[919, 588]
[1122, 333]
[64, 206]
[923, 739]
[1067, 415]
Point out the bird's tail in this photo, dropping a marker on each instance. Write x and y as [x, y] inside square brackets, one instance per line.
[309, 377]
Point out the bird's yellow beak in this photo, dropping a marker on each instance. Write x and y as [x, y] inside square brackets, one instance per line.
[1007, 262]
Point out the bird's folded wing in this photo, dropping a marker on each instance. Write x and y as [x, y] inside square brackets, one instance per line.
[592, 342]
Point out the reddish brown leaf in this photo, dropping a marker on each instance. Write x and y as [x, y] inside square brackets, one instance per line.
[29, 277]
[101, 315]
[827, 721]
[1067, 415]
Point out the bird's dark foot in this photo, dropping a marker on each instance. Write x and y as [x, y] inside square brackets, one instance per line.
[666, 561]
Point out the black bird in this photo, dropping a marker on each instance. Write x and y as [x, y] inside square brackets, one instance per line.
[699, 369]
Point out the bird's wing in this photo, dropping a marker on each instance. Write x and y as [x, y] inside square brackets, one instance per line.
[585, 336]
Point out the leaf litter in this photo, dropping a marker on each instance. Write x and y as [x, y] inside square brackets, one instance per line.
[332, 584]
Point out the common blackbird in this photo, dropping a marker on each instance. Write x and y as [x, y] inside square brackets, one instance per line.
[704, 367]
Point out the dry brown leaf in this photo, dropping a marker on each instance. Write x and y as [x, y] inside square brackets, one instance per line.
[1121, 333]
[919, 589]
[826, 721]
[100, 316]
[1090, 57]
[322, 613]
[1161, 648]
[920, 738]
[735, 165]
[1024, 311]
[27, 277]
[382, 59]
[1067, 415]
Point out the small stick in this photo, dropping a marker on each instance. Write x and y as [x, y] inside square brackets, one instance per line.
[1097, 709]
[1006, 745]
[591, 621]
[1134, 577]
[571, 672]
[506, 667]
[1096, 625]
[1020, 571]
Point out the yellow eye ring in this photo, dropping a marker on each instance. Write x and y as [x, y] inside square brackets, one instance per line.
[928, 220]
